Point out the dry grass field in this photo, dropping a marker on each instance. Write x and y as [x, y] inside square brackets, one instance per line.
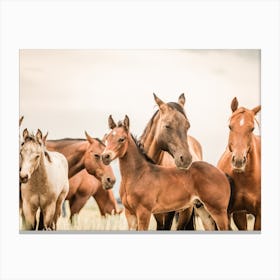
[89, 219]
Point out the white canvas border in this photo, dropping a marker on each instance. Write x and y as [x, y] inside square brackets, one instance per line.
[156, 24]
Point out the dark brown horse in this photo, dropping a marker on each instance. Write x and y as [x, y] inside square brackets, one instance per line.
[147, 188]
[166, 141]
[82, 186]
[242, 162]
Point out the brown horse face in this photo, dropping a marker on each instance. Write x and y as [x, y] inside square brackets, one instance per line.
[241, 134]
[116, 141]
[95, 166]
[172, 135]
[30, 155]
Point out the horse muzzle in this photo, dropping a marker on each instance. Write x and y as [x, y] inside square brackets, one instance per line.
[238, 163]
[23, 179]
[183, 162]
[108, 183]
[107, 158]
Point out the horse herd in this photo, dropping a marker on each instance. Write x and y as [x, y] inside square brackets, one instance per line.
[162, 174]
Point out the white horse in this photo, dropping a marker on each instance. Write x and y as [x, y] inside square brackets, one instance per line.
[44, 182]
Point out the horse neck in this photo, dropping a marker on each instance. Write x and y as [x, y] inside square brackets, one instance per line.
[132, 161]
[40, 174]
[73, 152]
[148, 140]
[253, 155]
[105, 200]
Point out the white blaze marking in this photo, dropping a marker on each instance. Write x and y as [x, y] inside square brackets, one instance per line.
[241, 122]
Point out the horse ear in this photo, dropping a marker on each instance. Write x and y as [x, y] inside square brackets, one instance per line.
[111, 122]
[25, 134]
[182, 99]
[126, 123]
[20, 120]
[45, 138]
[39, 136]
[256, 109]
[89, 138]
[158, 101]
[234, 104]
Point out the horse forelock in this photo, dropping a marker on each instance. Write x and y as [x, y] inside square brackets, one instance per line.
[148, 128]
[239, 112]
[177, 107]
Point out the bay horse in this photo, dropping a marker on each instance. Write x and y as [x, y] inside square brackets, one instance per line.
[242, 162]
[82, 186]
[147, 188]
[166, 141]
[44, 182]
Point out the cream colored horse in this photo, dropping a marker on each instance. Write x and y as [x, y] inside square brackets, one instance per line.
[44, 181]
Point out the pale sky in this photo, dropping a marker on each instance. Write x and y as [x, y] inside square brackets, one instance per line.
[66, 92]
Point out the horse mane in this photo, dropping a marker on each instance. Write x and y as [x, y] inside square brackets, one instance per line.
[173, 105]
[141, 149]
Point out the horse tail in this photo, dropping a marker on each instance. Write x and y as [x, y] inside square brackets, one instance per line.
[232, 186]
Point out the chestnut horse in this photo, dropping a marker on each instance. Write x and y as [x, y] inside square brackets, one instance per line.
[82, 186]
[166, 142]
[81, 153]
[147, 188]
[242, 162]
[44, 182]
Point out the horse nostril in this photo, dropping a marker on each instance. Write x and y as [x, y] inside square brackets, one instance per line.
[181, 158]
[109, 180]
[23, 178]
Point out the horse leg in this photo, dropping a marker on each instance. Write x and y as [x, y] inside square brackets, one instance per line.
[185, 220]
[240, 220]
[207, 220]
[58, 208]
[164, 220]
[257, 225]
[220, 216]
[29, 216]
[77, 202]
[131, 220]
[48, 213]
[143, 218]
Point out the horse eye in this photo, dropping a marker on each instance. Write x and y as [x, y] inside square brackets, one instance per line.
[97, 156]
[37, 157]
[230, 127]
[252, 129]
[168, 127]
[121, 140]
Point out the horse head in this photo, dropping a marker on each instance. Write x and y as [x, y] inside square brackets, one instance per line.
[31, 151]
[241, 126]
[116, 140]
[172, 130]
[94, 164]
